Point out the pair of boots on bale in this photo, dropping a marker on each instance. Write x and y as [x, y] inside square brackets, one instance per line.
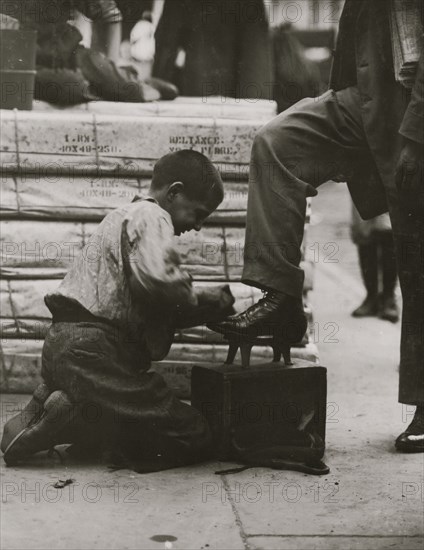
[68, 74]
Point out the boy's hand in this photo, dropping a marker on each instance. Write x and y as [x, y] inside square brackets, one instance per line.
[214, 304]
[191, 294]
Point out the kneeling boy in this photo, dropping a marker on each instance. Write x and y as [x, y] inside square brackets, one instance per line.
[114, 312]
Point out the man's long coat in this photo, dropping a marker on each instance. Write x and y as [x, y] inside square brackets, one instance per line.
[363, 56]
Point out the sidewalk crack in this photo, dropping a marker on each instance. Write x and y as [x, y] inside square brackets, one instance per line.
[239, 523]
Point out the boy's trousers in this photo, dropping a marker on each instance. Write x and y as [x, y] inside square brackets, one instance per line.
[314, 141]
[121, 406]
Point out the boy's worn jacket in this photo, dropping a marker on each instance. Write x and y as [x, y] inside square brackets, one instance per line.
[129, 275]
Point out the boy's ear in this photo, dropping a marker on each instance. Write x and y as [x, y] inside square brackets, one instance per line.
[174, 189]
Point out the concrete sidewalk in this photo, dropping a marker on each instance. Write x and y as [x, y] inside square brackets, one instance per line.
[372, 498]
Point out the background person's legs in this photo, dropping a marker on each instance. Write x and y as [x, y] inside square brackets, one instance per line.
[368, 262]
[388, 307]
[379, 272]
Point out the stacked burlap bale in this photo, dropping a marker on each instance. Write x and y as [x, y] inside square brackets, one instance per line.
[211, 106]
[71, 143]
[63, 171]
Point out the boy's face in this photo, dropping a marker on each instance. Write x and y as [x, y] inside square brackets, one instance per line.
[187, 213]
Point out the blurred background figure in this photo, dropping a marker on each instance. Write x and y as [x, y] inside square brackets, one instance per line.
[78, 52]
[132, 12]
[215, 47]
[108, 49]
[296, 75]
[107, 33]
[142, 45]
[377, 261]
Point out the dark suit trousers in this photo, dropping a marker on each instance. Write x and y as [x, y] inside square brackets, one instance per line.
[314, 141]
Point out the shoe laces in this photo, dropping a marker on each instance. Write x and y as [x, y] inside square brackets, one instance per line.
[262, 301]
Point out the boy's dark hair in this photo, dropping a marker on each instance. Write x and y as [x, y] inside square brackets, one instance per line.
[200, 177]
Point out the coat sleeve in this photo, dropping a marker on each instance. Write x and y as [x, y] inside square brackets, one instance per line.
[152, 262]
[412, 126]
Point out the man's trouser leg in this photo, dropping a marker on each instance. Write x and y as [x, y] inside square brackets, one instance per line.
[312, 142]
[408, 236]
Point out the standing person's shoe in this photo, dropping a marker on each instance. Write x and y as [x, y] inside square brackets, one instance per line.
[389, 310]
[37, 426]
[412, 439]
[368, 308]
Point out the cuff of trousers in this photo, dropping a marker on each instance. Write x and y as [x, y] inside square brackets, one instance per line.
[103, 11]
[290, 281]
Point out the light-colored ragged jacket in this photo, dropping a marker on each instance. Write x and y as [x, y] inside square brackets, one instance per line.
[128, 273]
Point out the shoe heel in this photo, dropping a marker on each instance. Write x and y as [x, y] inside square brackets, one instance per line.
[245, 351]
[285, 349]
[232, 352]
[281, 349]
[277, 352]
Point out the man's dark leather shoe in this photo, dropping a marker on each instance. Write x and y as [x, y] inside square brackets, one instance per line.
[276, 314]
[412, 439]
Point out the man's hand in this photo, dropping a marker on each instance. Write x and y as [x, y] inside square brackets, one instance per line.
[409, 176]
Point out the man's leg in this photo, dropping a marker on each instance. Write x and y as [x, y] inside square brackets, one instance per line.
[312, 142]
[389, 309]
[408, 234]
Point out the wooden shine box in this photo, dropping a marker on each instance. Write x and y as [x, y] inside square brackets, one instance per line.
[232, 397]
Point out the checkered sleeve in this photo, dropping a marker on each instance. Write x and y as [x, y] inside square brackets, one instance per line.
[105, 11]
